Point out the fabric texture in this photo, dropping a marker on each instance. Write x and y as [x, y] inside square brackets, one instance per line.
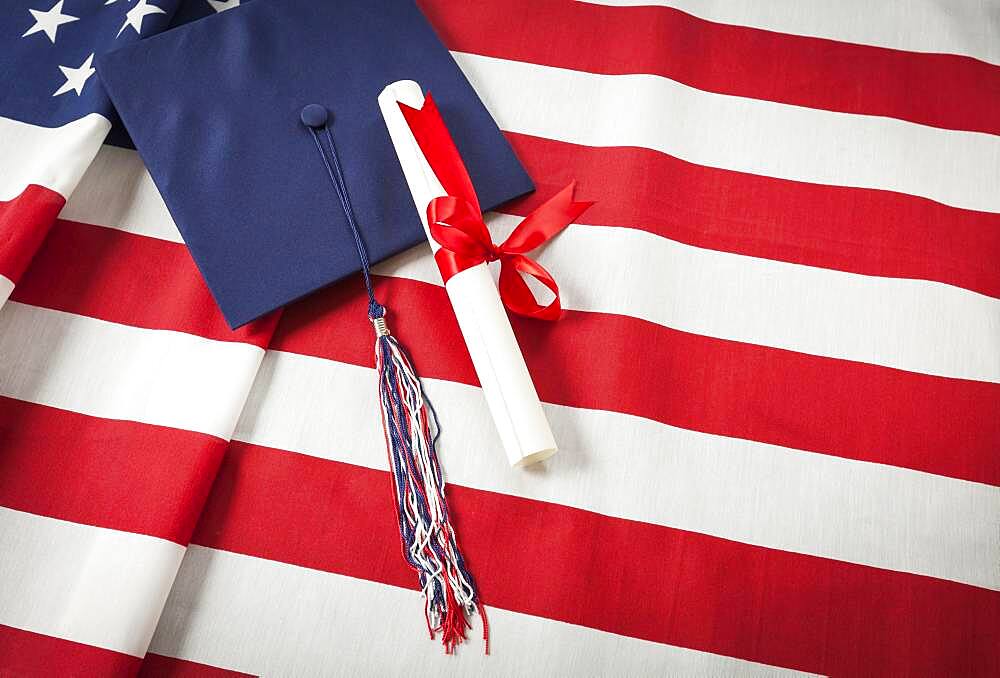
[54, 115]
[775, 385]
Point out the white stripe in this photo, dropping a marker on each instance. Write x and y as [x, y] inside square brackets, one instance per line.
[915, 325]
[83, 583]
[6, 287]
[268, 618]
[969, 27]
[117, 371]
[629, 467]
[118, 192]
[737, 133]
[53, 157]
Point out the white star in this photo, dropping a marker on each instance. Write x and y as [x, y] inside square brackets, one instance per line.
[135, 16]
[50, 21]
[76, 78]
[223, 5]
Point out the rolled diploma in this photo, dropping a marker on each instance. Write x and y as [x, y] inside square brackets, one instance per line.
[510, 394]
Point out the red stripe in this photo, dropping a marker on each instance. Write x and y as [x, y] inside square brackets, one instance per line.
[24, 221]
[25, 655]
[622, 576]
[849, 229]
[943, 90]
[611, 362]
[116, 474]
[126, 278]
[159, 666]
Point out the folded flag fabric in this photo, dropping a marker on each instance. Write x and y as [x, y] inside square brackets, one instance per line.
[54, 113]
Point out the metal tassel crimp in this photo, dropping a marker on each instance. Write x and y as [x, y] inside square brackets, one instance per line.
[411, 432]
[381, 329]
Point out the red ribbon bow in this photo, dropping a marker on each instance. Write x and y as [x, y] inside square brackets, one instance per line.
[456, 221]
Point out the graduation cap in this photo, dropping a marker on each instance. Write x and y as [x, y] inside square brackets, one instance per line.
[261, 129]
[214, 107]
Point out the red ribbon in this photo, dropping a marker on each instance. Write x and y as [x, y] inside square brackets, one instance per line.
[456, 221]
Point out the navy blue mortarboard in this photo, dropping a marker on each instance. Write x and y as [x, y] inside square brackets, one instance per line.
[215, 109]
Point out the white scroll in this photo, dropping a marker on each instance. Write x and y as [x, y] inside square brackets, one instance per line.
[507, 386]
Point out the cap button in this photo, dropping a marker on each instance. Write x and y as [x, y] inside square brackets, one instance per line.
[314, 116]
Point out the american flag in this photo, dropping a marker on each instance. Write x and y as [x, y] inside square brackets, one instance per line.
[776, 386]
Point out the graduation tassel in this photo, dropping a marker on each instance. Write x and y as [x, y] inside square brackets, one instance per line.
[411, 434]
[429, 543]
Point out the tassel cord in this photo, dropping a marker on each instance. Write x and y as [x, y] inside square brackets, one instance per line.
[336, 174]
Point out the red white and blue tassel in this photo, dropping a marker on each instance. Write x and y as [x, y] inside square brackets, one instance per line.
[411, 434]
[428, 539]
